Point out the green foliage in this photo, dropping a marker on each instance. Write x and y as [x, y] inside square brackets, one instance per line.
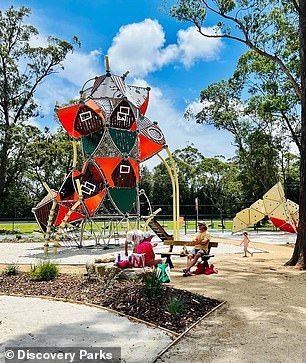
[176, 306]
[44, 271]
[11, 270]
[152, 284]
[188, 9]
[9, 231]
[18, 87]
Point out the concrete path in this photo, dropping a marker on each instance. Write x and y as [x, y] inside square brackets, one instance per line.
[35, 322]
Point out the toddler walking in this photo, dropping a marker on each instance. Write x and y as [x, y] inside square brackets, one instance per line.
[245, 243]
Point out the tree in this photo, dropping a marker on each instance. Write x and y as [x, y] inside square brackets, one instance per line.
[50, 159]
[161, 188]
[219, 183]
[22, 69]
[272, 102]
[186, 160]
[265, 26]
[257, 147]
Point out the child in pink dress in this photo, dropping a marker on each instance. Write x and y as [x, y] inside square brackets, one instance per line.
[245, 243]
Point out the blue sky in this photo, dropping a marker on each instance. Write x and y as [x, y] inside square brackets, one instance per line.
[139, 36]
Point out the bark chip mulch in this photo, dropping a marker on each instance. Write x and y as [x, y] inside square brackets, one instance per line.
[125, 296]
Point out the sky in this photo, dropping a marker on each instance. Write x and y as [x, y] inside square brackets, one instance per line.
[158, 51]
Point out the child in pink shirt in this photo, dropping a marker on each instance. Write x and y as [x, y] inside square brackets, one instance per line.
[245, 243]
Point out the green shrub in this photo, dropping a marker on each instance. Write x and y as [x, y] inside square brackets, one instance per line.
[45, 271]
[152, 284]
[11, 270]
[176, 306]
[9, 231]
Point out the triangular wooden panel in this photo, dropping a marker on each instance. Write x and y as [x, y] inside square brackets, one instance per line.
[291, 206]
[280, 213]
[124, 175]
[275, 193]
[255, 216]
[270, 205]
[244, 215]
[238, 225]
[259, 206]
[123, 116]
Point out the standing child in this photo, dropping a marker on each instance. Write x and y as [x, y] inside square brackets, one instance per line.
[245, 243]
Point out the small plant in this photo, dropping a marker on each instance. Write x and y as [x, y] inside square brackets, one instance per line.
[111, 277]
[152, 284]
[11, 270]
[90, 270]
[45, 271]
[176, 306]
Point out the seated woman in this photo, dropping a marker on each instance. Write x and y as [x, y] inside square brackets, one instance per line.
[134, 237]
[146, 247]
[200, 242]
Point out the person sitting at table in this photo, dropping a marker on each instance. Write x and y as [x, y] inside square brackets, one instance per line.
[201, 242]
[146, 247]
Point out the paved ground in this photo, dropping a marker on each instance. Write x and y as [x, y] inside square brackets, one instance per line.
[34, 322]
[31, 253]
[259, 314]
[264, 318]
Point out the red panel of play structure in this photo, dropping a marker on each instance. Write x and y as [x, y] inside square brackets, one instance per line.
[136, 168]
[282, 225]
[62, 211]
[144, 106]
[93, 203]
[67, 117]
[107, 166]
[148, 148]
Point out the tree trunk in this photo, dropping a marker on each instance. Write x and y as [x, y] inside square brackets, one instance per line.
[299, 253]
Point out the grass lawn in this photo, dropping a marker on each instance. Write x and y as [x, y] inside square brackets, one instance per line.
[24, 228]
[19, 227]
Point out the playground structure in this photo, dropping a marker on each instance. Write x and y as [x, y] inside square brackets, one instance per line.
[282, 212]
[115, 136]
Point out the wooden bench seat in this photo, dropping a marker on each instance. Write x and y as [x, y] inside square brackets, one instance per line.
[187, 243]
[169, 254]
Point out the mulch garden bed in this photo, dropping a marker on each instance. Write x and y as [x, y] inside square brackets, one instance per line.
[124, 295]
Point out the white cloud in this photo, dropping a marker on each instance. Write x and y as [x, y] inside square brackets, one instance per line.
[179, 132]
[66, 83]
[80, 67]
[193, 46]
[140, 48]
[195, 107]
